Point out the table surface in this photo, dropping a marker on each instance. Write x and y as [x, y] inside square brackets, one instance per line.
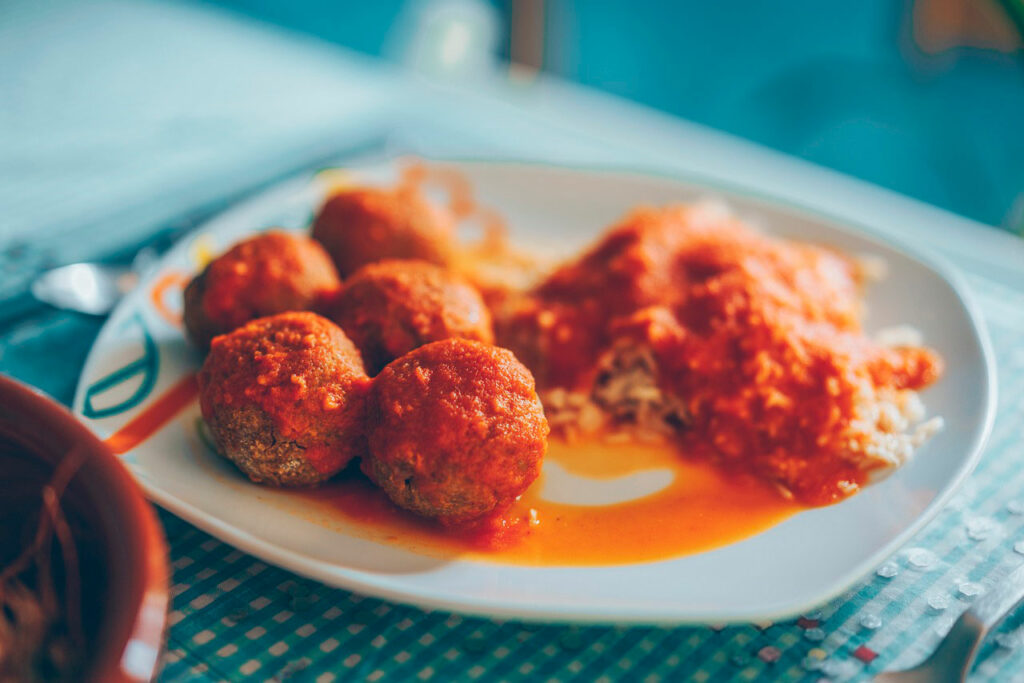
[123, 160]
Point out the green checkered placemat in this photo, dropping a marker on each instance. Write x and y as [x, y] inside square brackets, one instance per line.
[233, 617]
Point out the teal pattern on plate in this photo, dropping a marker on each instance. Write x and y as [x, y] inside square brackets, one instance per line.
[147, 365]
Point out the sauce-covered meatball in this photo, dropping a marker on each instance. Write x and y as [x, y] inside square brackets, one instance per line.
[364, 225]
[284, 397]
[389, 308]
[455, 430]
[270, 273]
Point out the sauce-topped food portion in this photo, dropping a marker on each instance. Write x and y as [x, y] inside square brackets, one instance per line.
[270, 273]
[718, 375]
[455, 430]
[361, 225]
[389, 308]
[284, 398]
[736, 346]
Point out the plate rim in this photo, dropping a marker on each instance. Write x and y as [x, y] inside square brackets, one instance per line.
[379, 585]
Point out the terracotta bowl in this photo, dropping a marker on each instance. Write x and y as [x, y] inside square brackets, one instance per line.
[121, 549]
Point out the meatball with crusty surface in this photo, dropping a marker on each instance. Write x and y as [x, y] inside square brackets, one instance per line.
[362, 225]
[284, 397]
[455, 430]
[389, 308]
[270, 273]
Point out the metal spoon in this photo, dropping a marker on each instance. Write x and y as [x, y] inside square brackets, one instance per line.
[92, 288]
[954, 656]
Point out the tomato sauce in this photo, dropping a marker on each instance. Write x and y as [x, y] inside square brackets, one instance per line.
[759, 339]
[700, 509]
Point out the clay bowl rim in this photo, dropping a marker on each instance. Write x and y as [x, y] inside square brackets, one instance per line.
[131, 632]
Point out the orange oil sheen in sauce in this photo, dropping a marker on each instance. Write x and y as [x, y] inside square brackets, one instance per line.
[703, 508]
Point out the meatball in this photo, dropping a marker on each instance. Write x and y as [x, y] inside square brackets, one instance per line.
[455, 430]
[389, 308]
[270, 273]
[284, 397]
[364, 225]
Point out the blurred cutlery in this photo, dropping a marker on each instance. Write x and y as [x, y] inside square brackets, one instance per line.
[954, 656]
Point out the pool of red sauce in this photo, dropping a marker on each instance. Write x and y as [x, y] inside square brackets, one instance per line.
[702, 508]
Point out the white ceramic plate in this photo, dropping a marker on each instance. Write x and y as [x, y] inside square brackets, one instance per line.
[788, 569]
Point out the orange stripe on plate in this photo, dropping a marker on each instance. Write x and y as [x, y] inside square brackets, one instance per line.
[155, 415]
[158, 293]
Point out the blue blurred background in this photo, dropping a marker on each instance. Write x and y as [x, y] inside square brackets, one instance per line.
[925, 97]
